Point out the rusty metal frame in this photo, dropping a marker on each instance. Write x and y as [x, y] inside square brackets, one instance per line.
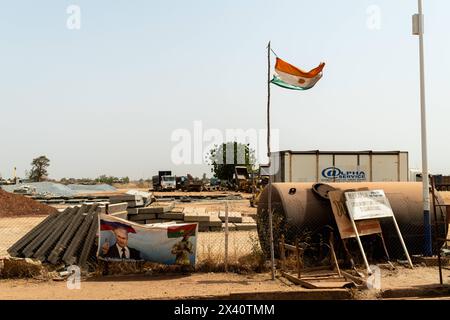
[437, 205]
[307, 280]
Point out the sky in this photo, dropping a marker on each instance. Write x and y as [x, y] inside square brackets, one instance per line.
[109, 97]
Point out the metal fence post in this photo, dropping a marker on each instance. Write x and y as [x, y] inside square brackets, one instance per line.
[226, 236]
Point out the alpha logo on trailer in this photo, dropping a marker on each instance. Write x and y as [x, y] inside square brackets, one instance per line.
[334, 173]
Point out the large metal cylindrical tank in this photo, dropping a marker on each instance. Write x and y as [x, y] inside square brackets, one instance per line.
[298, 208]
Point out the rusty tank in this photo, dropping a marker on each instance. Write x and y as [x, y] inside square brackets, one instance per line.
[298, 208]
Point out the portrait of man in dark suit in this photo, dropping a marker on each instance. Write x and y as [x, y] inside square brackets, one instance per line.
[120, 250]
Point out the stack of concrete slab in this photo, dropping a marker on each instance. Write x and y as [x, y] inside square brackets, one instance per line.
[66, 237]
[155, 214]
[236, 221]
[248, 223]
[215, 223]
[233, 216]
[207, 221]
[138, 210]
[198, 215]
[69, 200]
[193, 214]
[132, 200]
[117, 209]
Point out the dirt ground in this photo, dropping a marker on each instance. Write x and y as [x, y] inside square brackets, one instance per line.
[406, 277]
[144, 287]
[177, 286]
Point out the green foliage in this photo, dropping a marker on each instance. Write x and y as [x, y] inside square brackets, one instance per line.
[39, 167]
[110, 179]
[227, 156]
[102, 179]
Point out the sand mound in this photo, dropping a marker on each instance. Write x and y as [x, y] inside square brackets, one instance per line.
[15, 205]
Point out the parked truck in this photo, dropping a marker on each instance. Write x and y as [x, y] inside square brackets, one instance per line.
[164, 181]
[189, 183]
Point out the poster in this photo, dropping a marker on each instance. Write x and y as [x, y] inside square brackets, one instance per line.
[166, 243]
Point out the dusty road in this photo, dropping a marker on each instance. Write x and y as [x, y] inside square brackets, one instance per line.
[144, 287]
[177, 286]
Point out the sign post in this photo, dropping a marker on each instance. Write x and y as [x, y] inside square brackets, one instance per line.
[372, 204]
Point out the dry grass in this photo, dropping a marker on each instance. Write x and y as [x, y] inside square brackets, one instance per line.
[20, 268]
[133, 267]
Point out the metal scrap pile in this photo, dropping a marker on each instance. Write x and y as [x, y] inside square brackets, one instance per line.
[68, 237]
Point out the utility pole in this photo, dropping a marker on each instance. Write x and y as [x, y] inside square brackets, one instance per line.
[418, 29]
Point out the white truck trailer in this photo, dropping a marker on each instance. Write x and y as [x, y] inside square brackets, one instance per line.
[339, 166]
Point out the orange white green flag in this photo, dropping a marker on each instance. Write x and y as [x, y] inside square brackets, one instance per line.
[291, 77]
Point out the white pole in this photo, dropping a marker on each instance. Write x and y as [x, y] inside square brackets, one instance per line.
[425, 180]
[358, 240]
[402, 242]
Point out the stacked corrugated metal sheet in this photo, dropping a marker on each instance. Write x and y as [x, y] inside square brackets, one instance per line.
[68, 237]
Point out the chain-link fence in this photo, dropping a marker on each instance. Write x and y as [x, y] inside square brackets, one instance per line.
[236, 242]
[227, 238]
[70, 237]
[308, 220]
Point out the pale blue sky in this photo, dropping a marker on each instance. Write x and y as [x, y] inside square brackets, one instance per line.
[106, 98]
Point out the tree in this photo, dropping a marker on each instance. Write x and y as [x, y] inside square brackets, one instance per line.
[39, 167]
[227, 156]
[105, 179]
[111, 179]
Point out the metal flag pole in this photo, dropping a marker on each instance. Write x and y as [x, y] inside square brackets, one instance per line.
[269, 186]
[418, 29]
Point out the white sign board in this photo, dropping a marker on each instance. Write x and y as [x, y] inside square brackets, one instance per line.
[369, 204]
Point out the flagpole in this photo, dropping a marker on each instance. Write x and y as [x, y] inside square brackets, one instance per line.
[269, 186]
